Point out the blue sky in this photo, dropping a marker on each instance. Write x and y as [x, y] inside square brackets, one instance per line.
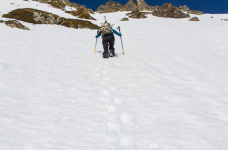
[207, 6]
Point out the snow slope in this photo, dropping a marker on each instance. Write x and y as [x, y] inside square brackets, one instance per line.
[168, 92]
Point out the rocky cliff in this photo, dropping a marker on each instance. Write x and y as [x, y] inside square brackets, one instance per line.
[130, 6]
[112, 6]
[140, 5]
[169, 11]
[36, 16]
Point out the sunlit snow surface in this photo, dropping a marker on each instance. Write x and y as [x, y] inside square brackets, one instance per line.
[168, 92]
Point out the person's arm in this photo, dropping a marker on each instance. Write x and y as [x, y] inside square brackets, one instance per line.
[98, 35]
[117, 33]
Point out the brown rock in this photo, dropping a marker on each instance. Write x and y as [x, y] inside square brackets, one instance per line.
[75, 5]
[113, 4]
[196, 12]
[58, 4]
[137, 14]
[124, 19]
[81, 13]
[184, 8]
[141, 4]
[15, 24]
[170, 11]
[33, 16]
[76, 23]
[167, 5]
[130, 6]
[41, 17]
[194, 19]
[109, 7]
[1, 21]
[90, 11]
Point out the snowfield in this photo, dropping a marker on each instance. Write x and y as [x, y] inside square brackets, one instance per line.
[168, 92]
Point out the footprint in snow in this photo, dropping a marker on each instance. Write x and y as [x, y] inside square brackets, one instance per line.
[126, 118]
[105, 93]
[117, 100]
[2, 67]
[111, 108]
[112, 89]
[124, 142]
[113, 128]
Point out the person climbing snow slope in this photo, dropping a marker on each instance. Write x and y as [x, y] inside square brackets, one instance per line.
[108, 39]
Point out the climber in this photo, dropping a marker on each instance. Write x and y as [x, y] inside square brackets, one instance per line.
[108, 39]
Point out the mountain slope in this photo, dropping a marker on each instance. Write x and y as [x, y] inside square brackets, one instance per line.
[168, 92]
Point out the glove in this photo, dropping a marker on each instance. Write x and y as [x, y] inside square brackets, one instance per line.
[96, 36]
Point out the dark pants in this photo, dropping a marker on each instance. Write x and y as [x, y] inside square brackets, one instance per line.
[108, 39]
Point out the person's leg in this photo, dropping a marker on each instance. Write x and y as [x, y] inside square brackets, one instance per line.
[111, 45]
[105, 44]
[111, 42]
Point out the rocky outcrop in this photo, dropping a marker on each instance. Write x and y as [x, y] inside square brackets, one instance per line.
[130, 6]
[46, 18]
[109, 7]
[169, 11]
[141, 4]
[124, 19]
[81, 13]
[1, 21]
[75, 23]
[187, 9]
[41, 17]
[90, 11]
[33, 16]
[184, 8]
[15, 24]
[56, 3]
[75, 5]
[196, 12]
[194, 19]
[137, 14]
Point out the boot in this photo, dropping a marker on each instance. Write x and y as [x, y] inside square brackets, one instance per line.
[112, 52]
[105, 55]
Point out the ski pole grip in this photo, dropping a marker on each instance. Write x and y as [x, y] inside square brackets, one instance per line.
[119, 29]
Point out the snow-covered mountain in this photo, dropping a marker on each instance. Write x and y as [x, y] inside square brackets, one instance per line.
[168, 92]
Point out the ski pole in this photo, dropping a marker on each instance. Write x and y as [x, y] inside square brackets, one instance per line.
[122, 45]
[95, 46]
[96, 42]
[121, 40]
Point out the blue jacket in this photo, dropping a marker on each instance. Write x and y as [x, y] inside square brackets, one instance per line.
[114, 31]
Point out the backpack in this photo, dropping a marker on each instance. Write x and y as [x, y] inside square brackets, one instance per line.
[106, 29]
